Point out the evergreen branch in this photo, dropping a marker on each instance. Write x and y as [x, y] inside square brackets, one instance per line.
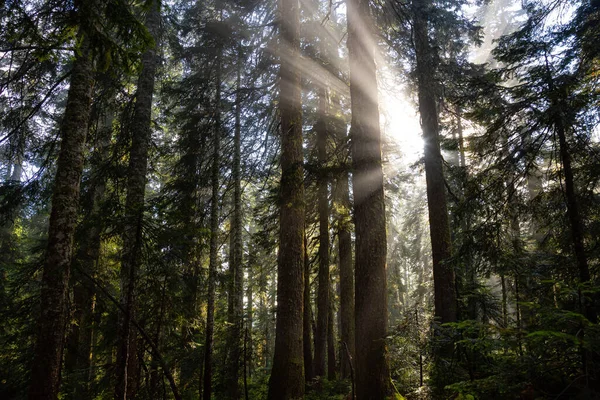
[141, 330]
[37, 107]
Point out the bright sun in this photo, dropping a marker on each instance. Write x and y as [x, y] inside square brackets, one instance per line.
[400, 125]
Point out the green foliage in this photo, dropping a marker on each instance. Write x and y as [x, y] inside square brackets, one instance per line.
[323, 389]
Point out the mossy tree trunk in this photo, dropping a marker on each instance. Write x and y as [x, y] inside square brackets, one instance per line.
[47, 360]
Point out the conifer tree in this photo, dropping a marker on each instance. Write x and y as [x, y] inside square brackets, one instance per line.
[46, 367]
[372, 373]
[287, 377]
[443, 273]
[126, 376]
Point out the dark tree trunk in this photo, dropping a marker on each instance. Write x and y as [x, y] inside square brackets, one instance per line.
[306, 321]
[443, 273]
[126, 368]
[557, 97]
[79, 342]
[155, 376]
[214, 237]
[331, 359]
[341, 198]
[323, 205]
[250, 311]
[287, 376]
[372, 371]
[46, 367]
[575, 219]
[235, 311]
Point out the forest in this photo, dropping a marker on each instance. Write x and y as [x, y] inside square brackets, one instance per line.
[299, 199]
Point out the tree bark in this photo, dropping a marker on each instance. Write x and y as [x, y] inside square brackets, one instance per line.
[343, 218]
[443, 273]
[250, 309]
[214, 237]
[372, 370]
[323, 206]
[46, 367]
[331, 359]
[79, 342]
[557, 98]
[126, 368]
[575, 219]
[306, 320]
[287, 376]
[235, 311]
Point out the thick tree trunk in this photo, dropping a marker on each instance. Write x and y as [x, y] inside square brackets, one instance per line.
[46, 367]
[126, 368]
[287, 376]
[214, 237]
[323, 205]
[443, 273]
[235, 311]
[306, 325]
[372, 371]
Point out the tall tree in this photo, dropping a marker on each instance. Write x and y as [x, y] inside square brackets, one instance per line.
[79, 342]
[307, 319]
[443, 273]
[46, 366]
[372, 371]
[126, 368]
[323, 209]
[331, 348]
[287, 376]
[236, 273]
[343, 226]
[214, 231]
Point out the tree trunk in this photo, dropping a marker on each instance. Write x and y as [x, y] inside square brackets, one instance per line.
[344, 229]
[287, 376]
[46, 367]
[79, 342]
[575, 220]
[306, 320]
[323, 205]
[250, 310]
[372, 371]
[126, 368]
[214, 237]
[235, 311]
[557, 97]
[331, 359]
[443, 273]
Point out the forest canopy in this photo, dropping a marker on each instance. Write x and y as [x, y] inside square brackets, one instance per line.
[299, 199]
